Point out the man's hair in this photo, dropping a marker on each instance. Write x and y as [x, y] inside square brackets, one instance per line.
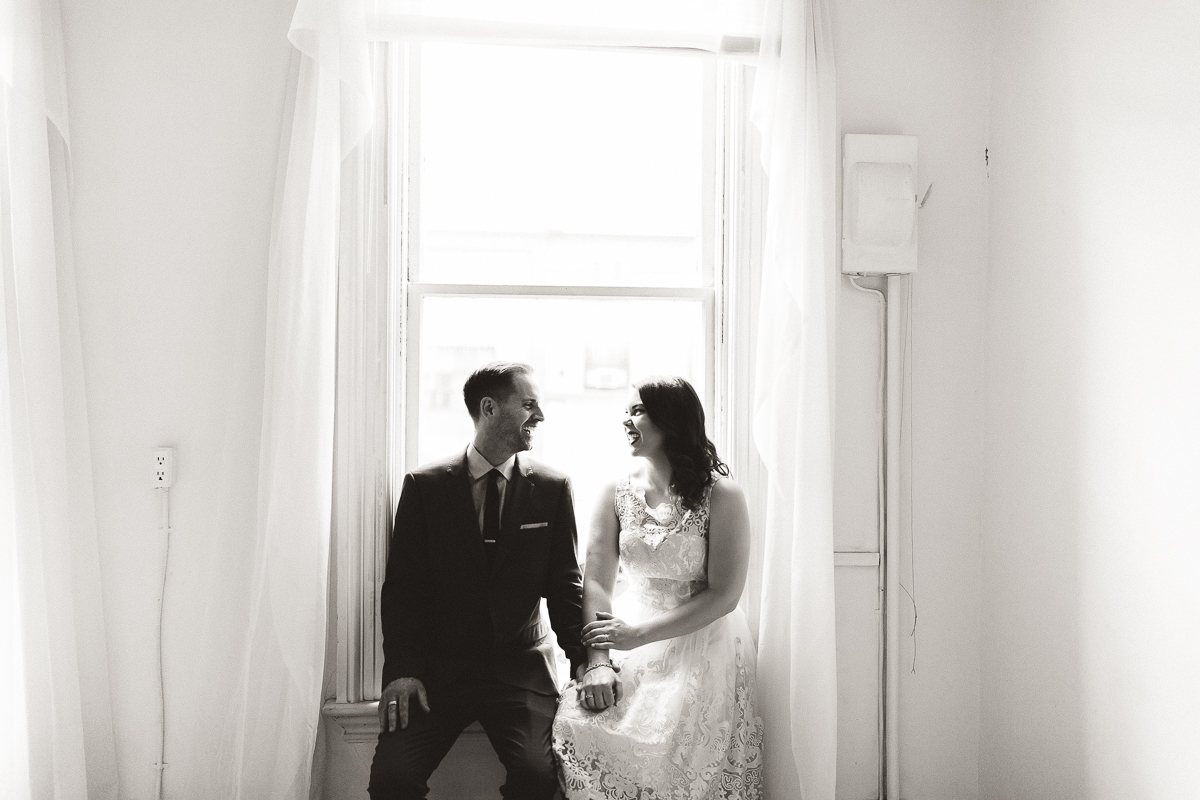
[494, 380]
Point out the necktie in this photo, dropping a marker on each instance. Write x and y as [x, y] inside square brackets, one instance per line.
[491, 516]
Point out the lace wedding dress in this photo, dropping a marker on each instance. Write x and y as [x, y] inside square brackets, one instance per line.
[685, 727]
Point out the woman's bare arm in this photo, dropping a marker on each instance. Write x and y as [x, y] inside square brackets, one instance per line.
[728, 557]
[599, 575]
[603, 553]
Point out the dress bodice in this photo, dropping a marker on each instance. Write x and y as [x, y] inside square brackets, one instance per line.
[664, 550]
[686, 727]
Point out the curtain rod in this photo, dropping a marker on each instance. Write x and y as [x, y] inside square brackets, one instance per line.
[413, 27]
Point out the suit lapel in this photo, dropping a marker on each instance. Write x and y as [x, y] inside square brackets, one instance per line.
[516, 502]
[464, 520]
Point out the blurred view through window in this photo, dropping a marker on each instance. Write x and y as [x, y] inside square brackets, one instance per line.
[557, 212]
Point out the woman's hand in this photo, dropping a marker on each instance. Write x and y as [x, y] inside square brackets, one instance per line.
[608, 633]
[599, 689]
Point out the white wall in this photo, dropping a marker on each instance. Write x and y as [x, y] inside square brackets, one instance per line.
[175, 114]
[176, 110]
[1091, 535]
[920, 68]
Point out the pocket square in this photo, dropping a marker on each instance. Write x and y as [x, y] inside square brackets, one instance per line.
[528, 525]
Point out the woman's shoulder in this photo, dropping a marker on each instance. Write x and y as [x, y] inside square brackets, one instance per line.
[612, 491]
[725, 492]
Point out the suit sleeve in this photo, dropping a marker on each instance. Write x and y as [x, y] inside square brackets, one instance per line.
[402, 599]
[564, 590]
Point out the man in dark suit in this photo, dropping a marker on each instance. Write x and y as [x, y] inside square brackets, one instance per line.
[479, 539]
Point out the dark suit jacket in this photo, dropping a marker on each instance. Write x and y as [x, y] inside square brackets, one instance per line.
[444, 617]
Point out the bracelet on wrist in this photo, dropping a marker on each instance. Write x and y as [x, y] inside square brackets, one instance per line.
[600, 664]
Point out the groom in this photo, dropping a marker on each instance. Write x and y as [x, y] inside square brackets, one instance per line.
[479, 539]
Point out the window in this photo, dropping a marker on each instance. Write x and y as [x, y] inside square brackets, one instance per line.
[585, 211]
[557, 203]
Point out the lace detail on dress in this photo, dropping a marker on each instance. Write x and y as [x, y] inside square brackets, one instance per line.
[664, 550]
[654, 524]
[686, 727]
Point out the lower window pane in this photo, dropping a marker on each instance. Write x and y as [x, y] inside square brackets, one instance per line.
[585, 353]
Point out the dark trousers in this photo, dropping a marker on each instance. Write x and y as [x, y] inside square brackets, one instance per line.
[517, 723]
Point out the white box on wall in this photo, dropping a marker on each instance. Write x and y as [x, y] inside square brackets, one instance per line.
[879, 204]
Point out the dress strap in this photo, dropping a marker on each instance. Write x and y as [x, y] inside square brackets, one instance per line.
[622, 491]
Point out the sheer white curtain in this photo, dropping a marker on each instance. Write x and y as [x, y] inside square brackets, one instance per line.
[280, 689]
[794, 110]
[56, 738]
[790, 43]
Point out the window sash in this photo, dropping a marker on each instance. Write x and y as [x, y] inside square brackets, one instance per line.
[711, 210]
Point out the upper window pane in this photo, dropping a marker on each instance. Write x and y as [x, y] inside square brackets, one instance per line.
[559, 167]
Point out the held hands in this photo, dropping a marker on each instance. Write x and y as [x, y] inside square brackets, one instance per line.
[598, 689]
[608, 633]
[393, 703]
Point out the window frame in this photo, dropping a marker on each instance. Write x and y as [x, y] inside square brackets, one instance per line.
[378, 336]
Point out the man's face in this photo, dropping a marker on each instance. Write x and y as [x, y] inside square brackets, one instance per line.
[511, 428]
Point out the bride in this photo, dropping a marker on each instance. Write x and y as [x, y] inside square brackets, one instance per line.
[665, 708]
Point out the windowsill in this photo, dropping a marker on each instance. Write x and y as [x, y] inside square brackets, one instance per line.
[360, 721]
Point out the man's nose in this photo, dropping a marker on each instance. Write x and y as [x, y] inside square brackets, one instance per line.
[537, 413]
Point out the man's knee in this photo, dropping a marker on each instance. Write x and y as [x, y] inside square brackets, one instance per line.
[532, 775]
[397, 775]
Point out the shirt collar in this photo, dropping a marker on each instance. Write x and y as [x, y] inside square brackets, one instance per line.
[479, 466]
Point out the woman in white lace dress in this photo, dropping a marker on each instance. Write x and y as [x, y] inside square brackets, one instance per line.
[678, 720]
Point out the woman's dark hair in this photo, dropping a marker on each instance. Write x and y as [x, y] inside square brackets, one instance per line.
[673, 405]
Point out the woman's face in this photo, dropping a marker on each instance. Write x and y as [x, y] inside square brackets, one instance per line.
[645, 438]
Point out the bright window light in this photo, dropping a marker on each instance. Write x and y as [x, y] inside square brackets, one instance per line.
[561, 167]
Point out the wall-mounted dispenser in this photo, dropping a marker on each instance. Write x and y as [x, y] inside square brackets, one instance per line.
[879, 204]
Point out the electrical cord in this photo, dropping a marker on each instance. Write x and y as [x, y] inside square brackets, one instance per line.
[165, 528]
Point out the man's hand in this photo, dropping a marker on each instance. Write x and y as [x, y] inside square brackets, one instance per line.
[599, 689]
[393, 703]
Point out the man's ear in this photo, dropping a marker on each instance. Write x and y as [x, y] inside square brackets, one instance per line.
[487, 407]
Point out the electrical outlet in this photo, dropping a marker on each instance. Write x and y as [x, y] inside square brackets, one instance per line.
[164, 468]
